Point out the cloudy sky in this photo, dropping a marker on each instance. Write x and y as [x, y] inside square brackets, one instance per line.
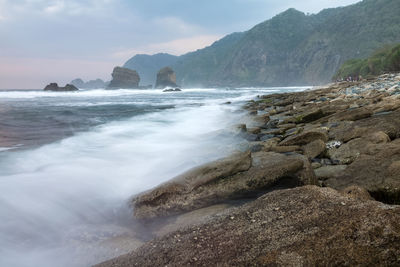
[57, 40]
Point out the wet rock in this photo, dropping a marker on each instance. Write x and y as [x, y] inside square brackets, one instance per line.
[172, 90]
[161, 200]
[261, 120]
[232, 178]
[306, 226]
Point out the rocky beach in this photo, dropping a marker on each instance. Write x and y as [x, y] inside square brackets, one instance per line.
[319, 185]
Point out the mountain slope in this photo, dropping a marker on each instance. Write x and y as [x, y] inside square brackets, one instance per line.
[293, 48]
[384, 60]
[147, 66]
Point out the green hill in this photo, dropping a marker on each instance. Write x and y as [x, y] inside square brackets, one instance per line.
[383, 60]
[293, 48]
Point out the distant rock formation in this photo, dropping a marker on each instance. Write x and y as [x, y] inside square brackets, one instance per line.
[55, 87]
[92, 84]
[172, 90]
[124, 78]
[147, 66]
[166, 77]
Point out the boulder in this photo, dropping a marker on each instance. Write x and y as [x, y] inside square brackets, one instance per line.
[56, 88]
[376, 169]
[386, 123]
[314, 149]
[352, 115]
[166, 77]
[305, 226]
[326, 172]
[305, 138]
[124, 78]
[231, 178]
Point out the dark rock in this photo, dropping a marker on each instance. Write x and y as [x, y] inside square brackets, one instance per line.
[265, 137]
[166, 77]
[55, 87]
[124, 78]
[172, 90]
[310, 116]
[306, 226]
[256, 148]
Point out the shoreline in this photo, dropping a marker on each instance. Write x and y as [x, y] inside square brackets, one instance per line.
[344, 136]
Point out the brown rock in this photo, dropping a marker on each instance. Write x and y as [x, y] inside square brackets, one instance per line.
[166, 77]
[161, 200]
[376, 169]
[305, 138]
[285, 149]
[314, 149]
[357, 193]
[124, 78]
[326, 172]
[387, 123]
[215, 183]
[352, 115]
[306, 226]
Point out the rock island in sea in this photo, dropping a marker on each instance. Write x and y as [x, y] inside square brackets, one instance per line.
[319, 186]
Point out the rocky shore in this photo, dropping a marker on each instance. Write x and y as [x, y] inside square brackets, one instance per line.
[320, 185]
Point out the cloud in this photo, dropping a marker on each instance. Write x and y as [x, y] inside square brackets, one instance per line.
[55, 7]
[174, 47]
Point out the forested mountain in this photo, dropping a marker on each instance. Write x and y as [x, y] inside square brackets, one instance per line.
[292, 48]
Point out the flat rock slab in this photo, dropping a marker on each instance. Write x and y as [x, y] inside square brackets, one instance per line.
[239, 176]
[306, 226]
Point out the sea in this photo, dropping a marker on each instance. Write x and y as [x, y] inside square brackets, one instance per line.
[70, 162]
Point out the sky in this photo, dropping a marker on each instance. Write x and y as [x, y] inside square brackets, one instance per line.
[43, 41]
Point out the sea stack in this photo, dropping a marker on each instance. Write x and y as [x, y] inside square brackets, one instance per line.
[124, 78]
[166, 77]
[55, 87]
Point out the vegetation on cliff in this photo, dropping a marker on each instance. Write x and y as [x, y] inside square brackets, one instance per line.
[384, 60]
[292, 48]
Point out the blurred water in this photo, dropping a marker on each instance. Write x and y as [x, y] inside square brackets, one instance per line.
[69, 162]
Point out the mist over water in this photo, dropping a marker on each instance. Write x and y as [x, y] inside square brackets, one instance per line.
[82, 155]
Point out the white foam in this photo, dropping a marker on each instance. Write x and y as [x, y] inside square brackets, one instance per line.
[80, 180]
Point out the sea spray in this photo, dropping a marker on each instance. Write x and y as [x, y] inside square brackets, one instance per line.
[61, 200]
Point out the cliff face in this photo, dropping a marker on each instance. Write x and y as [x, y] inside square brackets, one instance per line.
[293, 48]
[124, 78]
